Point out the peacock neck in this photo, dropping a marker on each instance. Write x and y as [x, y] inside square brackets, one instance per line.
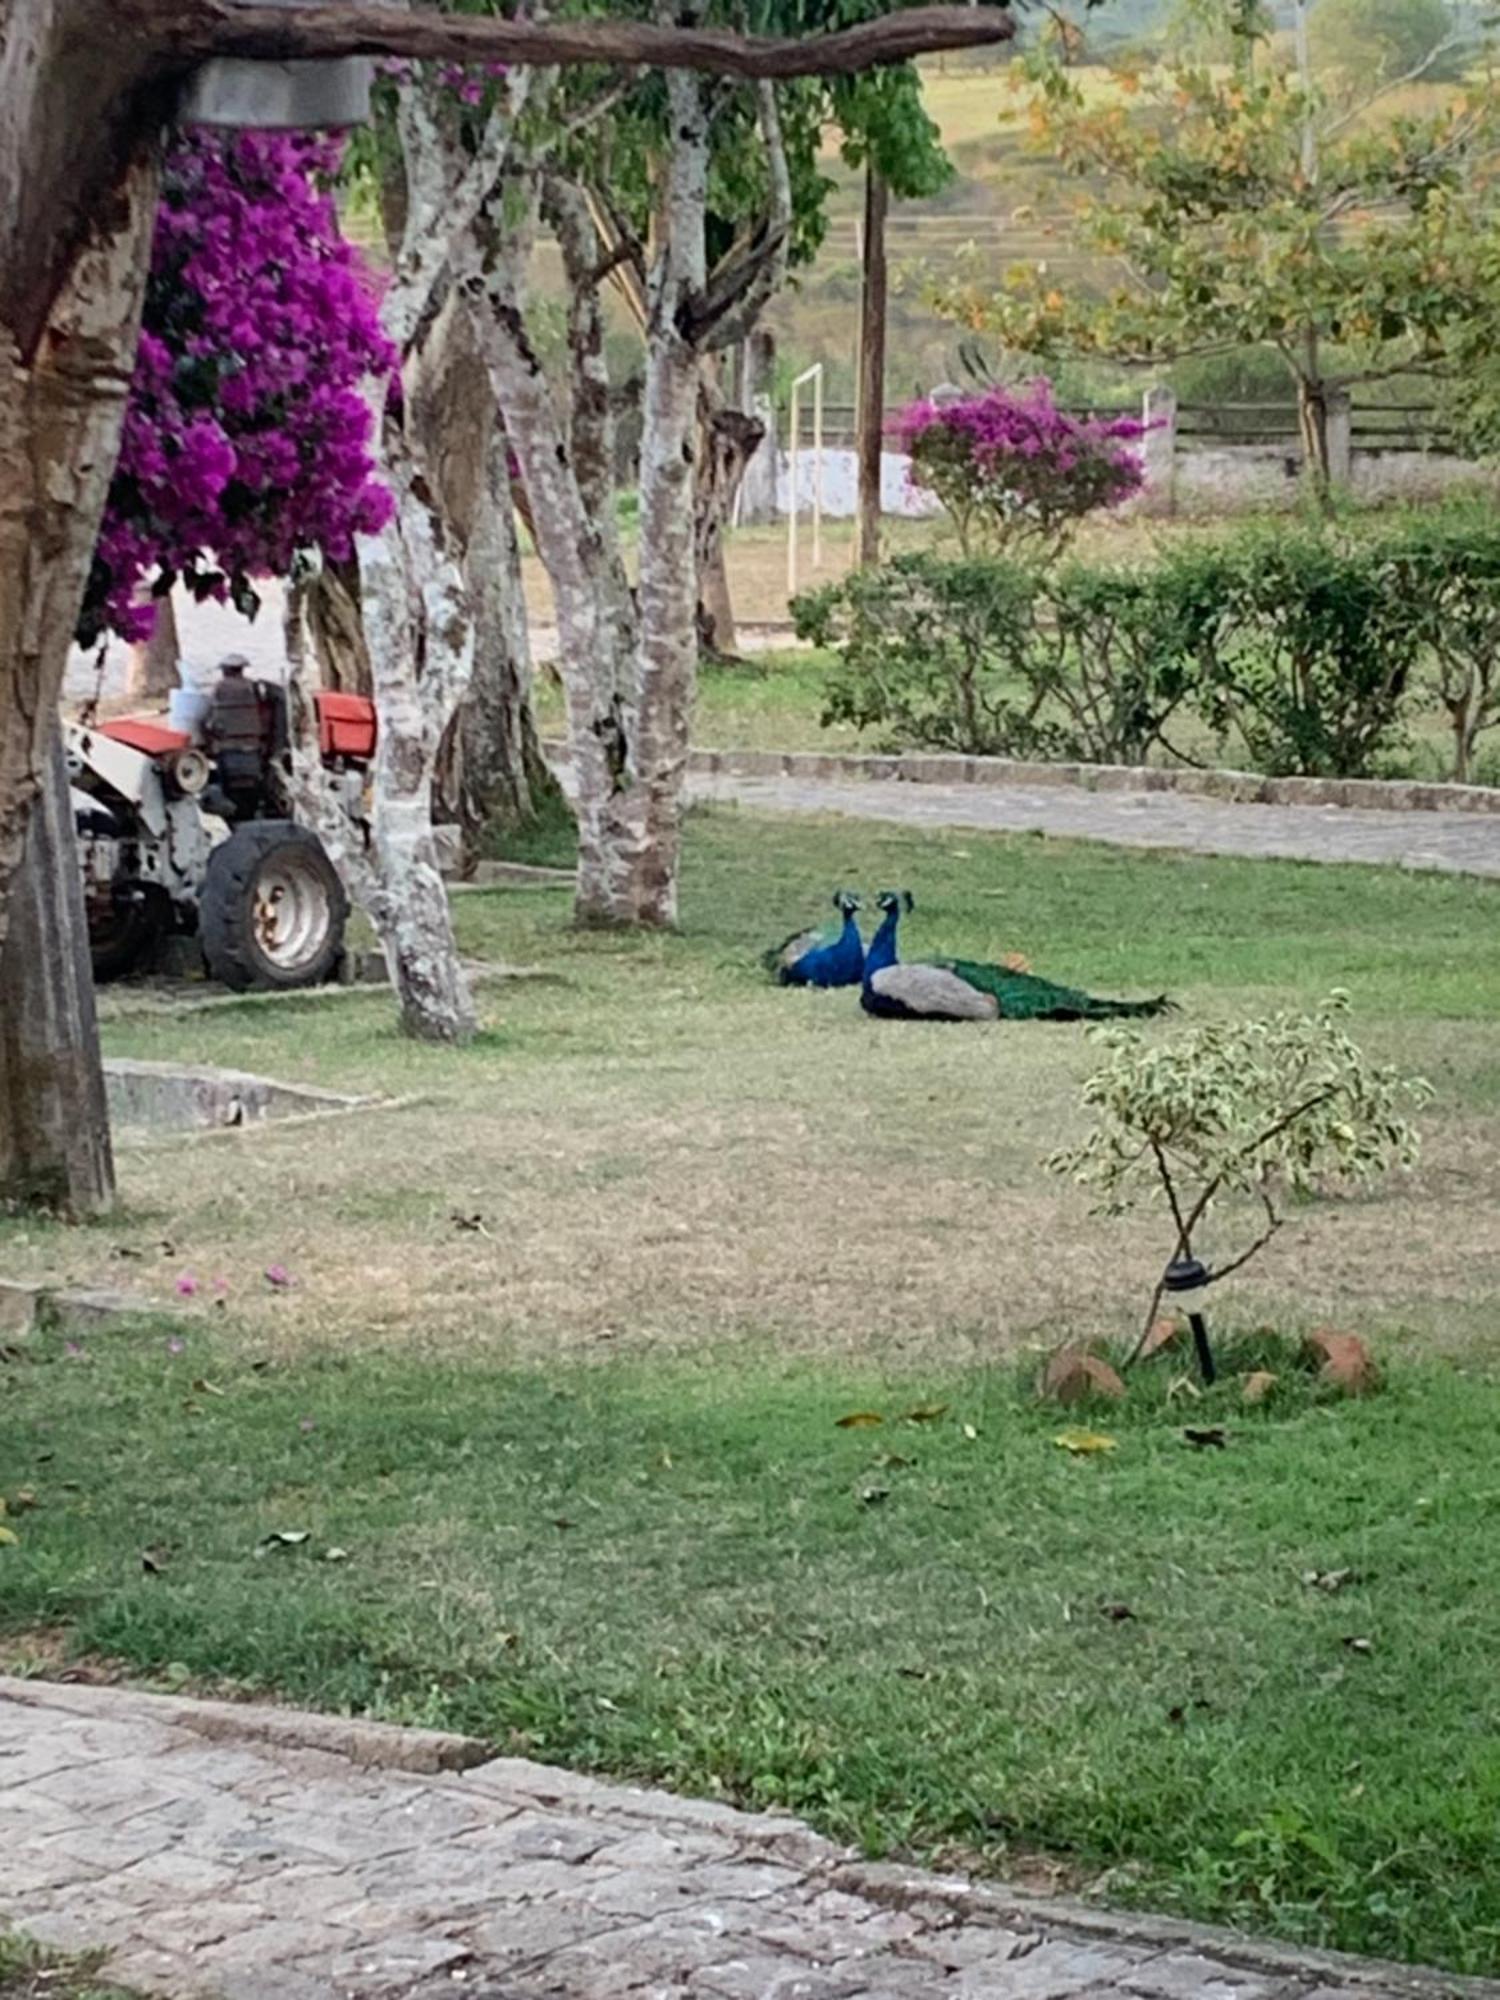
[882, 950]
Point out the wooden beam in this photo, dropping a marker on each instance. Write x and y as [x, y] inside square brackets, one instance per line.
[191, 30]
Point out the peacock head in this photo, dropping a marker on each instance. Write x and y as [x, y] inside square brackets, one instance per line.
[895, 900]
[846, 902]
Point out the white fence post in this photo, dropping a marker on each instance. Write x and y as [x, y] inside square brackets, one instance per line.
[1159, 448]
[794, 422]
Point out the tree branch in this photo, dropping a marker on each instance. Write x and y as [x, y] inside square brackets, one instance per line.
[194, 30]
[745, 282]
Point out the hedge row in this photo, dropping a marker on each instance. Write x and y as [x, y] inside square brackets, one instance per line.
[1305, 648]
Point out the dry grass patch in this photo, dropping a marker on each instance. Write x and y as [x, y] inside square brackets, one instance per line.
[658, 1150]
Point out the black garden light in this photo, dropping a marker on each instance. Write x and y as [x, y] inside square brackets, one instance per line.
[1186, 1278]
[240, 93]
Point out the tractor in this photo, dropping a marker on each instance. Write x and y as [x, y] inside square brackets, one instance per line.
[187, 831]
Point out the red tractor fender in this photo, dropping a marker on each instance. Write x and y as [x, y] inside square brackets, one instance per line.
[152, 739]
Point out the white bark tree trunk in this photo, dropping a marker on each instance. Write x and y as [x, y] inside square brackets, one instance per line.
[421, 643]
[566, 466]
[669, 456]
[416, 615]
[491, 771]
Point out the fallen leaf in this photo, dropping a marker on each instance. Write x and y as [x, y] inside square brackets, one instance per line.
[154, 1561]
[1184, 1385]
[205, 1388]
[8, 1537]
[1210, 1438]
[970, 1433]
[282, 1538]
[915, 1673]
[871, 1496]
[1083, 1443]
[1162, 1333]
[335, 1555]
[1330, 1580]
[925, 1413]
[474, 1224]
[860, 1420]
[1360, 1645]
[891, 1461]
[1118, 1612]
[1257, 1386]
[21, 1501]
[1016, 961]
[562, 1521]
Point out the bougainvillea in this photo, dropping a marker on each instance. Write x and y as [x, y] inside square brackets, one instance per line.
[1013, 469]
[246, 437]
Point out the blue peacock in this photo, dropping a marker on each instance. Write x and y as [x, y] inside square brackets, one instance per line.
[828, 957]
[961, 989]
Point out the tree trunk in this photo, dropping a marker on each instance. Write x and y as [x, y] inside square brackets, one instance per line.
[871, 392]
[61, 408]
[491, 770]
[152, 672]
[421, 648]
[567, 469]
[1312, 423]
[330, 610]
[54, 1120]
[669, 456]
[728, 440]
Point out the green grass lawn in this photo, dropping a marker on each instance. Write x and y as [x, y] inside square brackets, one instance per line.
[27, 1973]
[584, 1458]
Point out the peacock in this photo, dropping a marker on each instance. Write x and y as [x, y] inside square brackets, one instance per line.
[822, 958]
[960, 989]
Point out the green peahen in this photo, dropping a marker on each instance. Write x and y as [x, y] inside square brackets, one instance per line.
[962, 989]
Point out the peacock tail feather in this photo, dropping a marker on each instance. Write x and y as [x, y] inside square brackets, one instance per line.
[1022, 996]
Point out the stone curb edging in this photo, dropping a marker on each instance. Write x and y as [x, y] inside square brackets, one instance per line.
[372, 1745]
[976, 1902]
[1233, 787]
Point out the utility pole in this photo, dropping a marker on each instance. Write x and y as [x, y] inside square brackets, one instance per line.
[871, 391]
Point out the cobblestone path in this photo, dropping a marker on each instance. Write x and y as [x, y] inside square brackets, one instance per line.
[256, 1854]
[1456, 842]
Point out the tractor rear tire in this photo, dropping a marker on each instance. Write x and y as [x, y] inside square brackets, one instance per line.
[272, 911]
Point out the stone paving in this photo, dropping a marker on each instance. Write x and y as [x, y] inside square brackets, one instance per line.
[257, 1854]
[1455, 842]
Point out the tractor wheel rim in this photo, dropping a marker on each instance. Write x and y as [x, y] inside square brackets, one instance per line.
[291, 913]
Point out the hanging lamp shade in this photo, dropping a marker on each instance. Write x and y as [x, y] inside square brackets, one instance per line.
[241, 93]
[237, 93]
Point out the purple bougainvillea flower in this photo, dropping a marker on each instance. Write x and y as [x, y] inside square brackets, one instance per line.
[1009, 461]
[187, 1286]
[246, 438]
[278, 1277]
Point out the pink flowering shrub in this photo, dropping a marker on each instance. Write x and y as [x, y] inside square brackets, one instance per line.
[1013, 470]
[246, 437]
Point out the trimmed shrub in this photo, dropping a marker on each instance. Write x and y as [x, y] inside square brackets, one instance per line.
[1307, 647]
[932, 653]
